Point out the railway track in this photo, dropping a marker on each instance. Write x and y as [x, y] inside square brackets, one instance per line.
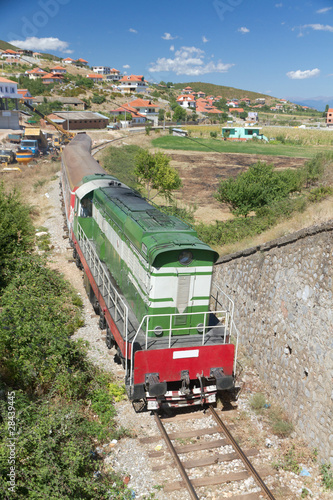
[204, 446]
[98, 147]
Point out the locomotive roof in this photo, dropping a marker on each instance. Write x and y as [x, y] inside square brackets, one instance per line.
[78, 161]
[150, 230]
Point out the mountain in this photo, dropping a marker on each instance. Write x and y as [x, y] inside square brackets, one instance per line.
[318, 103]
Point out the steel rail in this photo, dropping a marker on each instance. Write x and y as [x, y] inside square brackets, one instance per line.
[242, 455]
[176, 458]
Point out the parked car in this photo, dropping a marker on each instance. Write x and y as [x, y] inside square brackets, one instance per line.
[113, 126]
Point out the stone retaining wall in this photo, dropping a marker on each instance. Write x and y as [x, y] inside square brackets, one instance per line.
[283, 309]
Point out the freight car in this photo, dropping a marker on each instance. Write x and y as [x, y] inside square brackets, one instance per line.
[149, 277]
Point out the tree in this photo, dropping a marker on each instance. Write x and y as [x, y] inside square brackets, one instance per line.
[154, 173]
[179, 114]
[161, 114]
[257, 187]
[326, 110]
[243, 115]
[98, 99]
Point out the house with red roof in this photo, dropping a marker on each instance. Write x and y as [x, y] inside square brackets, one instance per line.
[51, 78]
[236, 110]
[35, 73]
[187, 90]
[25, 95]
[133, 84]
[95, 77]
[58, 70]
[186, 101]
[81, 62]
[10, 54]
[131, 114]
[114, 75]
[146, 108]
[68, 60]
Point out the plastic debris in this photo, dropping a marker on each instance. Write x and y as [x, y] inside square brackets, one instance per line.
[158, 447]
[269, 443]
[304, 472]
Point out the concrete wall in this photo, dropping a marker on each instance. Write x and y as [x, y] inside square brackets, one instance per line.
[283, 310]
[9, 119]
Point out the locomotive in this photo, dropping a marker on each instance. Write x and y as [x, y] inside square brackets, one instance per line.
[149, 277]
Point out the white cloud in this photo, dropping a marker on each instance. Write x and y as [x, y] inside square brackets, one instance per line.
[126, 66]
[167, 36]
[42, 44]
[278, 5]
[172, 48]
[301, 75]
[204, 39]
[188, 61]
[243, 30]
[132, 30]
[323, 11]
[319, 27]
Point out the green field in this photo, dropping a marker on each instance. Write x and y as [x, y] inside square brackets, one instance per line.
[220, 146]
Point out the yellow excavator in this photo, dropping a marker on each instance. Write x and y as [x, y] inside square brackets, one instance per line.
[65, 136]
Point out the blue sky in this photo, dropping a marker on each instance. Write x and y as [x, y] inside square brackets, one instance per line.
[279, 48]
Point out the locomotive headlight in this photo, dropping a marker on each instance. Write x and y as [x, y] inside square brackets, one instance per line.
[200, 327]
[158, 330]
[185, 257]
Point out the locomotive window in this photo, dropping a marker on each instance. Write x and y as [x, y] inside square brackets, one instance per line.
[185, 257]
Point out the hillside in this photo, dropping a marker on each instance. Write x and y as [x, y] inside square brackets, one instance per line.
[226, 92]
[5, 46]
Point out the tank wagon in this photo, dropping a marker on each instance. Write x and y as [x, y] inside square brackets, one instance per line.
[148, 276]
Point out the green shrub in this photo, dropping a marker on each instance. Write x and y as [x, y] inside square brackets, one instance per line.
[327, 476]
[37, 317]
[16, 232]
[260, 185]
[258, 401]
[320, 193]
[98, 99]
[57, 457]
[289, 462]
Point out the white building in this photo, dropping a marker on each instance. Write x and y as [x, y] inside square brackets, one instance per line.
[8, 91]
[133, 84]
[101, 70]
[147, 109]
[114, 75]
[186, 101]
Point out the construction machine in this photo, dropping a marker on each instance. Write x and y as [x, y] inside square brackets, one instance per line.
[65, 135]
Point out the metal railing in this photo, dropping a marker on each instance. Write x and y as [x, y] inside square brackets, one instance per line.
[110, 295]
[231, 304]
[224, 317]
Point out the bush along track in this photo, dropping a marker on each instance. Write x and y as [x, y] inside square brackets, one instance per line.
[55, 406]
[261, 197]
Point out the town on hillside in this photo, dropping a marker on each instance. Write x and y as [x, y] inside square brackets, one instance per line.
[42, 97]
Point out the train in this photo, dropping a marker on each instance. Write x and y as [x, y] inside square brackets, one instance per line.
[148, 277]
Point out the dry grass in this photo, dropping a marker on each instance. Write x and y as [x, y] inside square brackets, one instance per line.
[314, 214]
[32, 184]
[304, 137]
